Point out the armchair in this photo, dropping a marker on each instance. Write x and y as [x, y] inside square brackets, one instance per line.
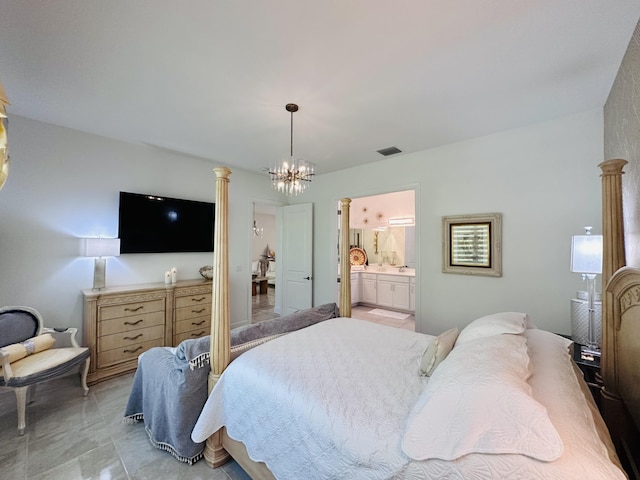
[26, 359]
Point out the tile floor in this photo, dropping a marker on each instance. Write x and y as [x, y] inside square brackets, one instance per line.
[262, 306]
[70, 437]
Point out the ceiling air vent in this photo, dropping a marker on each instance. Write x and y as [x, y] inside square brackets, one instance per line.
[389, 151]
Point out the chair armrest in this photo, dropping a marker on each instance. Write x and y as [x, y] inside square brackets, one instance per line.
[64, 337]
[7, 372]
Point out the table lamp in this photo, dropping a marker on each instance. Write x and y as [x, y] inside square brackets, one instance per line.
[100, 248]
[586, 258]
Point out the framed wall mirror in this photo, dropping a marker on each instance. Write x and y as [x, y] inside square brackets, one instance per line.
[472, 244]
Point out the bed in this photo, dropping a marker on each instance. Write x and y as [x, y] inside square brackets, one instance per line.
[312, 418]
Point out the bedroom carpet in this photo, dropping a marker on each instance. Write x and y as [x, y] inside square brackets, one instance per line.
[389, 313]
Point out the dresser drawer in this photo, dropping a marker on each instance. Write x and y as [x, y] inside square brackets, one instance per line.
[130, 309]
[124, 353]
[201, 299]
[126, 339]
[197, 323]
[192, 312]
[201, 332]
[127, 324]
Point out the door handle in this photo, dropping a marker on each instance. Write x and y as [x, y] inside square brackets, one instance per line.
[307, 278]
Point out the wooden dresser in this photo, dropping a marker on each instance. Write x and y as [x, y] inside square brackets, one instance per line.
[122, 322]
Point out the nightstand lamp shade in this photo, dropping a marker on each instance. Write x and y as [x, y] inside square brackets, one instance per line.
[586, 254]
[100, 248]
[586, 258]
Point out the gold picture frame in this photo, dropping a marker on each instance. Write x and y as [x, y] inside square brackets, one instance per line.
[472, 244]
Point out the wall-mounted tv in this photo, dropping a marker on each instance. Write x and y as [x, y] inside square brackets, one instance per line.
[155, 224]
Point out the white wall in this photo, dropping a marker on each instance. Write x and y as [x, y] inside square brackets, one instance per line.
[543, 179]
[64, 184]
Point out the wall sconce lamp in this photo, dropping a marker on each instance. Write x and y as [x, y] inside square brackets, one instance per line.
[586, 258]
[100, 248]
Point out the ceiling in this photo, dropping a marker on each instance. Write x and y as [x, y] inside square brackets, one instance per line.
[210, 78]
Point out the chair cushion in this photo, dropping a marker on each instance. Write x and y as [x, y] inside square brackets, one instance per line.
[44, 366]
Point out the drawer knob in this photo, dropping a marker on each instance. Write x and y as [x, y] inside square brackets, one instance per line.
[140, 307]
[198, 323]
[134, 323]
[198, 311]
[198, 299]
[132, 338]
[134, 350]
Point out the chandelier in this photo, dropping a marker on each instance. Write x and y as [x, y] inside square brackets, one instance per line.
[291, 176]
[257, 231]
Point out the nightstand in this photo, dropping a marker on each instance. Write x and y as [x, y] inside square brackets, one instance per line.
[591, 371]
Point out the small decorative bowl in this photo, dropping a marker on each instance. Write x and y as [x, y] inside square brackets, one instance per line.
[207, 272]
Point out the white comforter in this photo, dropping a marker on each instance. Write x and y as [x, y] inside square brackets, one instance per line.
[310, 408]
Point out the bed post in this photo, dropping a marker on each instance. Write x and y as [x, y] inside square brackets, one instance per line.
[613, 258]
[214, 453]
[345, 263]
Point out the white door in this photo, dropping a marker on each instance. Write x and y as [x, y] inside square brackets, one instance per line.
[297, 257]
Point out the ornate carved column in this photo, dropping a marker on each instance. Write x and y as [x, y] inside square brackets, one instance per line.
[345, 263]
[214, 454]
[613, 258]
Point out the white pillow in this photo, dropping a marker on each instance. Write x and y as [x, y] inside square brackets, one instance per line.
[478, 401]
[255, 266]
[494, 324]
[437, 350]
[272, 267]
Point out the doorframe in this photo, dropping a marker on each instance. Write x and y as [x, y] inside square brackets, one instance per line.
[417, 212]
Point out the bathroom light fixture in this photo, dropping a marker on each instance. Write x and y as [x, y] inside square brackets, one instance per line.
[257, 231]
[291, 176]
[402, 221]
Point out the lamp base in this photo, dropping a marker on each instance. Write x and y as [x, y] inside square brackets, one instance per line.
[99, 269]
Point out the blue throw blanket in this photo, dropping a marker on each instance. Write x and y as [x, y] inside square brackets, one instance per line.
[170, 389]
[168, 394]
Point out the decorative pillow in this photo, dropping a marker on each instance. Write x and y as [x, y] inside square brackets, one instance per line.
[495, 324]
[18, 351]
[272, 267]
[478, 401]
[437, 350]
[255, 266]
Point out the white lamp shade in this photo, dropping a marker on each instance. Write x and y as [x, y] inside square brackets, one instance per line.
[586, 254]
[100, 247]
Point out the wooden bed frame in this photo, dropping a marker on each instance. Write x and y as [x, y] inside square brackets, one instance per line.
[620, 329]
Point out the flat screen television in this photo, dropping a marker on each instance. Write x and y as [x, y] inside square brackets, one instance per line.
[155, 224]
